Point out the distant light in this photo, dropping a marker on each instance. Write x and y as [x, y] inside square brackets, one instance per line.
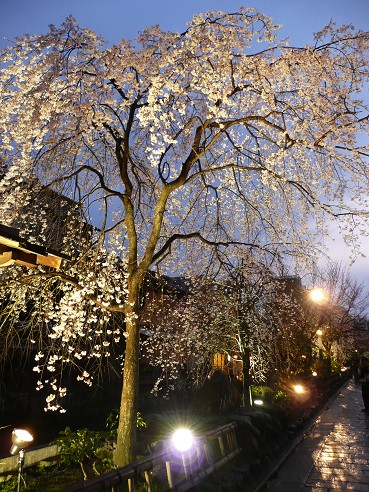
[258, 402]
[319, 333]
[299, 389]
[183, 439]
[315, 373]
[318, 295]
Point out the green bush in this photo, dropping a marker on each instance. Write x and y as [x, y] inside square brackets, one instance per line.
[51, 478]
[9, 485]
[264, 393]
[86, 448]
[113, 419]
[91, 450]
[322, 367]
[281, 398]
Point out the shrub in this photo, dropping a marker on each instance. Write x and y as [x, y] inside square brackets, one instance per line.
[264, 393]
[91, 449]
[281, 398]
[85, 447]
[9, 485]
[113, 417]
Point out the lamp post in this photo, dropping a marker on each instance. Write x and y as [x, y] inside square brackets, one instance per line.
[21, 439]
[325, 326]
[320, 345]
[320, 297]
[183, 441]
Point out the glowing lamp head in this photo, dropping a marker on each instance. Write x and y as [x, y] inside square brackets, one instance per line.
[21, 439]
[183, 439]
[299, 389]
[258, 402]
[319, 296]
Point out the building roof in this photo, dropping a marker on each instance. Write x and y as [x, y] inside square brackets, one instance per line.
[15, 249]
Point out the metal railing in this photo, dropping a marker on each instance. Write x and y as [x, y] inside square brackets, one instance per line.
[169, 471]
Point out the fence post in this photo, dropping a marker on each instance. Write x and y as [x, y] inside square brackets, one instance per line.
[131, 485]
[208, 456]
[169, 474]
[221, 445]
[148, 481]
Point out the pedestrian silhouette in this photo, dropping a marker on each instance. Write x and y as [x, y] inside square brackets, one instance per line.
[364, 380]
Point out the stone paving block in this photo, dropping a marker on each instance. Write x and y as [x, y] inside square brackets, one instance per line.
[333, 477]
[283, 487]
[357, 487]
[352, 472]
[334, 455]
[316, 489]
[328, 484]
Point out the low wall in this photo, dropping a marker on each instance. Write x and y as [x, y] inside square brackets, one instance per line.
[9, 465]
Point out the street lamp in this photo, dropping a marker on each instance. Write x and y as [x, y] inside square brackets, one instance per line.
[301, 393]
[299, 389]
[21, 439]
[183, 441]
[318, 295]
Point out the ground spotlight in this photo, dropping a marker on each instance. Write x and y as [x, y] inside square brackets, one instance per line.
[258, 402]
[21, 439]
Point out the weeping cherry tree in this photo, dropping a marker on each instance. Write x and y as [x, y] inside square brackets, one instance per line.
[179, 149]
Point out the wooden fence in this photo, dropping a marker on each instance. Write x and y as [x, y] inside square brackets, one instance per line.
[170, 471]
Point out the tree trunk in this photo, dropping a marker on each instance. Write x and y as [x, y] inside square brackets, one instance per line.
[246, 386]
[127, 429]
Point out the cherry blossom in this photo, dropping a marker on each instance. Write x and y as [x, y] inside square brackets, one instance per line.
[173, 152]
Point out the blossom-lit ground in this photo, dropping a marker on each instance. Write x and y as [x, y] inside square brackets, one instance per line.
[334, 455]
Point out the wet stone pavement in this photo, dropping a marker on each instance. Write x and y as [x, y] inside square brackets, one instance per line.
[334, 454]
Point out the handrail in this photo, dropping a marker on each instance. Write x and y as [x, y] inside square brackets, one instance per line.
[214, 449]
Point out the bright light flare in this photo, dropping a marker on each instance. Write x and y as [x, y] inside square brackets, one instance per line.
[258, 402]
[299, 389]
[318, 295]
[22, 435]
[183, 440]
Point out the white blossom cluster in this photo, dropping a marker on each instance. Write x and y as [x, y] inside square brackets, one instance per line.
[70, 323]
[209, 319]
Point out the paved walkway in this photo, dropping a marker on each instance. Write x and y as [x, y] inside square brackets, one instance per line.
[334, 454]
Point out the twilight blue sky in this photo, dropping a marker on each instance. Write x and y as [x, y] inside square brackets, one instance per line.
[118, 19]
